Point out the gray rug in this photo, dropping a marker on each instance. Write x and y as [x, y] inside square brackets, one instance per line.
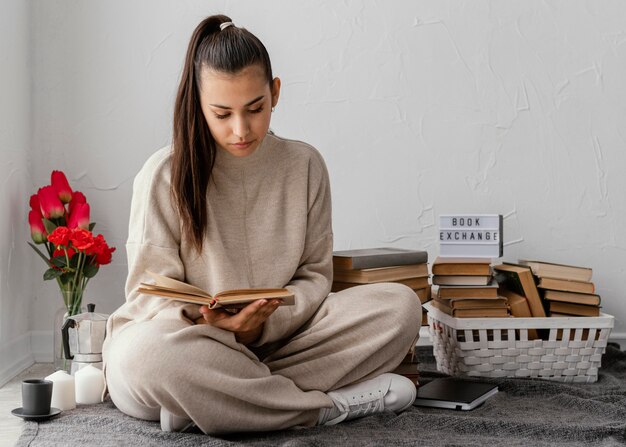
[525, 412]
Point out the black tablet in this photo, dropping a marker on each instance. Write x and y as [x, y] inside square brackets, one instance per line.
[454, 393]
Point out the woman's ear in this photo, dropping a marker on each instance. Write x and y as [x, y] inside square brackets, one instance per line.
[275, 87]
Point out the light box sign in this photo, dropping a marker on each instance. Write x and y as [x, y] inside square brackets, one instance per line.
[470, 236]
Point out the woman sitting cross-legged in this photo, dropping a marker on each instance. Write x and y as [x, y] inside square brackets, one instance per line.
[231, 205]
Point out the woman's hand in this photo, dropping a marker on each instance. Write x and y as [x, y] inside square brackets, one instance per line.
[247, 324]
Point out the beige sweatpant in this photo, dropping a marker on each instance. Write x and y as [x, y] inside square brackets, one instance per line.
[201, 372]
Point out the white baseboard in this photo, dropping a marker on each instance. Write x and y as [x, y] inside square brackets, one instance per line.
[23, 351]
[41, 346]
[619, 338]
[616, 337]
[16, 356]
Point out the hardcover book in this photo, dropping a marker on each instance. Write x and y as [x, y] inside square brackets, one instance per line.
[519, 279]
[518, 303]
[482, 312]
[562, 271]
[488, 291]
[366, 258]
[462, 280]
[519, 308]
[589, 299]
[566, 285]
[474, 303]
[367, 276]
[461, 266]
[574, 309]
[424, 294]
[173, 289]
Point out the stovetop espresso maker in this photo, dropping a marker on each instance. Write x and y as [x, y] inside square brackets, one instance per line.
[83, 336]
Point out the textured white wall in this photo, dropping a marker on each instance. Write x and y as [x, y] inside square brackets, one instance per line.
[16, 277]
[419, 108]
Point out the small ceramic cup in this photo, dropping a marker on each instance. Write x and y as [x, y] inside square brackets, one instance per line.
[36, 397]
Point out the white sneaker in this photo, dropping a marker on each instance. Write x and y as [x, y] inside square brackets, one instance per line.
[385, 392]
[171, 422]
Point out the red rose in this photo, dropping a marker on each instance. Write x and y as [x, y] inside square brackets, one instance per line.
[61, 252]
[98, 243]
[105, 256]
[77, 197]
[61, 186]
[79, 216]
[37, 230]
[51, 205]
[60, 237]
[81, 239]
[101, 249]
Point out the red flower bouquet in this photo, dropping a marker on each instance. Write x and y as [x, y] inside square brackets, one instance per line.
[59, 219]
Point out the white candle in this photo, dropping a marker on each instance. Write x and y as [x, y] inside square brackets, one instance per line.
[89, 385]
[63, 395]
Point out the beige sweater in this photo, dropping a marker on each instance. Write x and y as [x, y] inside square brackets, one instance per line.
[269, 225]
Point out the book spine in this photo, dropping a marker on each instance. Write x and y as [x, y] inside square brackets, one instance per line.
[520, 308]
[385, 274]
[566, 285]
[572, 297]
[461, 270]
[389, 260]
[532, 295]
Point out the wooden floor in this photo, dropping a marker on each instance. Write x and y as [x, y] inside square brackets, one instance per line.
[11, 397]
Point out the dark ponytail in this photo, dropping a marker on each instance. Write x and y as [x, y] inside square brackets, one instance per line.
[229, 51]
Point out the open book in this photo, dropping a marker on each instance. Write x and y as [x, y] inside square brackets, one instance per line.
[229, 299]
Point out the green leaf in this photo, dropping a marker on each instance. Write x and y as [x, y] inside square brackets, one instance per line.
[67, 277]
[91, 226]
[90, 270]
[59, 261]
[49, 225]
[44, 257]
[51, 274]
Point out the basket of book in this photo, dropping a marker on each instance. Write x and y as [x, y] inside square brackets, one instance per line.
[566, 349]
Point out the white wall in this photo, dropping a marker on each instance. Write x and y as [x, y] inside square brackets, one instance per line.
[419, 108]
[16, 273]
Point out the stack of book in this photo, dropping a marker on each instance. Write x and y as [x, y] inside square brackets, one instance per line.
[409, 367]
[567, 289]
[373, 265]
[465, 288]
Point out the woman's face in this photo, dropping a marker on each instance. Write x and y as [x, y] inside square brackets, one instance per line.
[237, 107]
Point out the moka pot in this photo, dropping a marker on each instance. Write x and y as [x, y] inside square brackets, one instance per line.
[83, 336]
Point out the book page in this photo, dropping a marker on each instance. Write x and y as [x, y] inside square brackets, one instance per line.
[166, 293]
[241, 293]
[175, 285]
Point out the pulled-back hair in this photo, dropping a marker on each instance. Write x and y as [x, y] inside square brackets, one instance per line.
[194, 149]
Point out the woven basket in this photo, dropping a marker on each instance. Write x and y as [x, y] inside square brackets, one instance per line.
[499, 347]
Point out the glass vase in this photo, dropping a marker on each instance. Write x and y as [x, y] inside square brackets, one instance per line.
[72, 306]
